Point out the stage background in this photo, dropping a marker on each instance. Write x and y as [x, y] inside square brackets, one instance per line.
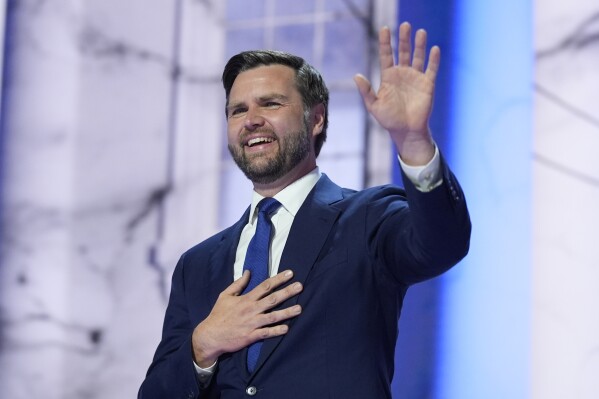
[114, 161]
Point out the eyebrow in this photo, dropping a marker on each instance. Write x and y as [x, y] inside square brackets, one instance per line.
[273, 96]
[261, 99]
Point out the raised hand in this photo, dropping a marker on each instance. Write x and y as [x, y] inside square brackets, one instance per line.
[404, 100]
[237, 321]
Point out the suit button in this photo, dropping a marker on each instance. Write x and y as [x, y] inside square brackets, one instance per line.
[251, 391]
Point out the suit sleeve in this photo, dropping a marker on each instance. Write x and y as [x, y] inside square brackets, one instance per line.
[422, 237]
[172, 374]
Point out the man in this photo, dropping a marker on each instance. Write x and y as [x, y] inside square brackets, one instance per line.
[324, 325]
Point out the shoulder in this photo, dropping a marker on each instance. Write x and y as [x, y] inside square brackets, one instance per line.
[332, 193]
[203, 251]
[208, 245]
[375, 197]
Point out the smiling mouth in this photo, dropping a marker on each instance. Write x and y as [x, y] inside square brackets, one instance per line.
[259, 140]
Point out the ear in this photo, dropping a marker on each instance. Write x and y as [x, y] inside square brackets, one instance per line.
[317, 119]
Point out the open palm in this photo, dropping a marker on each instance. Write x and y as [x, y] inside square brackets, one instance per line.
[404, 100]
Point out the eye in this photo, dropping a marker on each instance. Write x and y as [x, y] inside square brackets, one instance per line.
[272, 104]
[237, 111]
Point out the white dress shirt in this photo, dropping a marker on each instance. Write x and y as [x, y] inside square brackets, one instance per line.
[291, 198]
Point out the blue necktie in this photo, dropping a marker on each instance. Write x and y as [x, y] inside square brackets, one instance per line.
[256, 261]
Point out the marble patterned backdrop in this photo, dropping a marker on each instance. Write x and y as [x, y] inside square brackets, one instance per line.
[565, 337]
[114, 163]
[103, 156]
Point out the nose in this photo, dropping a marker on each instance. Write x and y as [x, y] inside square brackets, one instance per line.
[253, 119]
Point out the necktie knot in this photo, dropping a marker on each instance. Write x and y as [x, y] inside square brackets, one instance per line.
[268, 205]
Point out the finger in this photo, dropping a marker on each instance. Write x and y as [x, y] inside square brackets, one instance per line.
[365, 89]
[268, 285]
[434, 60]
[271, 318]
[385, 50]
[277, 297]
[405, 44]
[237, 287]
[419, 50]
[268, 332]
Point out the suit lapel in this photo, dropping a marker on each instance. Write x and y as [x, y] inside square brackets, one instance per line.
[314, 219]
[310, 229]
[223, 258]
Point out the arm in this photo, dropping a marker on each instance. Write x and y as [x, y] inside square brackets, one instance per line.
[433, 233]
[421, 236]
[234, 322]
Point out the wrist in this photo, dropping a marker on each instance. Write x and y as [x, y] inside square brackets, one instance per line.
[203, 355]
[416, 151]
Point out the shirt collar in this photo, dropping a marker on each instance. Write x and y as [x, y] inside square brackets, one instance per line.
[291, 197]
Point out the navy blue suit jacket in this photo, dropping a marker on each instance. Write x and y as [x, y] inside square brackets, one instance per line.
[356, 253]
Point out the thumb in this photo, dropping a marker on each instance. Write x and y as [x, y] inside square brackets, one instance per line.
[365, 89]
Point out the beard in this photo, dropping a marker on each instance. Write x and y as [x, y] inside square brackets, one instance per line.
[266, 169]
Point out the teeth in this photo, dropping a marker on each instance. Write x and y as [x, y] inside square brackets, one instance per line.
[259, 140]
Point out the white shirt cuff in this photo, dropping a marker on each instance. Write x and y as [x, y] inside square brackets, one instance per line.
[204, 375]
[425, 178]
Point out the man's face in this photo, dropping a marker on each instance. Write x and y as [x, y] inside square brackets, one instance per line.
[268, 133]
